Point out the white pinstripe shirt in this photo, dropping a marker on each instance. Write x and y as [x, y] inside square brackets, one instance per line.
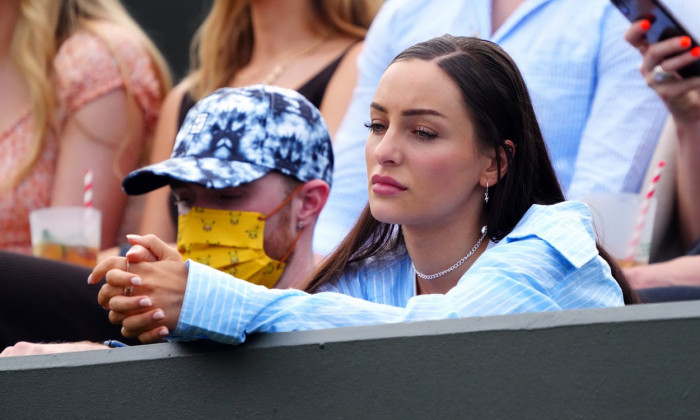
[548, 262]
[599, 118]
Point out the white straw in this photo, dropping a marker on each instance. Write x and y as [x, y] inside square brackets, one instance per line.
[87, 189]
[643, 212]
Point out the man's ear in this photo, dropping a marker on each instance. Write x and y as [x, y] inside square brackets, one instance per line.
[312, 198]
[491, 174]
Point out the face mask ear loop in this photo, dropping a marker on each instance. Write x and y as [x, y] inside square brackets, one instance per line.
[284, 203]
[291, 248]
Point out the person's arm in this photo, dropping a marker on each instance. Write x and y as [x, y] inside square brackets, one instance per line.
[682, 98]
[92, 140]
[625, 119]
[682, 271]
[200, 302]
[103, 126]
[24, 348]
[688, 175]
[156, 214]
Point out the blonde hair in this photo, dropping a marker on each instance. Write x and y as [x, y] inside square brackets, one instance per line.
[223, 44]
[32, 49]
[41, 28]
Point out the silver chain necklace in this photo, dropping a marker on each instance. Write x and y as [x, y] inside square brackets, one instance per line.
[457, 264]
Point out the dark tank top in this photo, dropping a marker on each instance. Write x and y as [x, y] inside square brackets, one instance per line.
[313, 90]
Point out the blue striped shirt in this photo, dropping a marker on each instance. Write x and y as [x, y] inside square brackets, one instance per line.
[599, 118]
[548, 262]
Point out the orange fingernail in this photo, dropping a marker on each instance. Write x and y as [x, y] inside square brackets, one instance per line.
[645, 24]
[685, 41]
[695, 51]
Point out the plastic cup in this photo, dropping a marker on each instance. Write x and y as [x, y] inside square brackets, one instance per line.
[616, 217]
[69, 234]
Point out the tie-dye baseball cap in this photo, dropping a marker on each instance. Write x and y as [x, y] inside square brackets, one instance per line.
[236, 135]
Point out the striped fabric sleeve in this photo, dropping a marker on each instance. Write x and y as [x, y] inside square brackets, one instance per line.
[549, 262]
[225, 309]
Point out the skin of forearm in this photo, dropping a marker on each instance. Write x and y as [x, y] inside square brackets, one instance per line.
[682, 271]
[688, 178]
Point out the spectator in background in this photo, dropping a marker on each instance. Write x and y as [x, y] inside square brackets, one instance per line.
[599, 120]
[465, 218]
[312, 50]
[81, 89]
[215, 181]
[660, 64]
[250, 171]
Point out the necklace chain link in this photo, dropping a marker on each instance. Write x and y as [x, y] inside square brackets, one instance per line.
[457, 264]
[281, 65]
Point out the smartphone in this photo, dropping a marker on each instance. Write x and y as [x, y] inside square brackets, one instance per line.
[663, 25]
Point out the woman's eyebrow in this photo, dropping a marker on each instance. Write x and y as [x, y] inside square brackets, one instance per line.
[377, 107]
[410, 112]
[422, 111]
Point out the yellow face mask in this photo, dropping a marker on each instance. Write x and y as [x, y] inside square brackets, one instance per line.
[231, 241]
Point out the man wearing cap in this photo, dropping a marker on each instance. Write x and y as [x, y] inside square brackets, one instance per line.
[251, 170]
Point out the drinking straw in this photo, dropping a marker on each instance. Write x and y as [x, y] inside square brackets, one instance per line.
[643, 211]
[87, 189]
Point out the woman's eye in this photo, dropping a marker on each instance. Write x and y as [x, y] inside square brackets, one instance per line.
[424, 133]
[375, 127]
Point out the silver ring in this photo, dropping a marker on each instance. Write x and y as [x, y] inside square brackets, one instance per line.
[128, 290]
[660, 75]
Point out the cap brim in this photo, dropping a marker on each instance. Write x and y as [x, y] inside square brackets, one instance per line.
[208, 172]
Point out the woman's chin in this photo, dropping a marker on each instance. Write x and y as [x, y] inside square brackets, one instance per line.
[387, 214]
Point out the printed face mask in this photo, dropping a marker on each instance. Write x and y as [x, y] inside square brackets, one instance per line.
[231, 241]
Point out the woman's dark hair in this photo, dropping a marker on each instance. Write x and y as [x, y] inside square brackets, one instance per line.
[498, 103]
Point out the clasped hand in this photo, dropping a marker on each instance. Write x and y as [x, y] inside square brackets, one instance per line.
[144, 290]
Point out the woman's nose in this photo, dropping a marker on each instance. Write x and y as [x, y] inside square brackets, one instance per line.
[387, 150]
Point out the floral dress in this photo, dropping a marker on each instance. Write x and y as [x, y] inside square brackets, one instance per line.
[85, 69]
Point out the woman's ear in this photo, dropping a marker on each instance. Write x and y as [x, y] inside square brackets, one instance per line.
[312, 198]
[491, 173]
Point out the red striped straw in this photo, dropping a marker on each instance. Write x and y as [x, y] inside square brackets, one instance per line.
[87, 189]
[643, 212]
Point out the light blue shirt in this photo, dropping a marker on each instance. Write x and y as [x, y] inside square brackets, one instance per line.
[548, 262]
[599, 118]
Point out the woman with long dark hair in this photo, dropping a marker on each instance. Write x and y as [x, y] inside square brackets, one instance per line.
[465, 218]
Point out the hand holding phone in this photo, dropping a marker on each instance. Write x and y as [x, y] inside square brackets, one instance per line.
[663, 26]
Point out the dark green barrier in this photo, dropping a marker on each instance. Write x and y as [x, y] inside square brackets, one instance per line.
[635, 362]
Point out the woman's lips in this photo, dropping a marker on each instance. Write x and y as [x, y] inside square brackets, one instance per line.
[386, 185]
